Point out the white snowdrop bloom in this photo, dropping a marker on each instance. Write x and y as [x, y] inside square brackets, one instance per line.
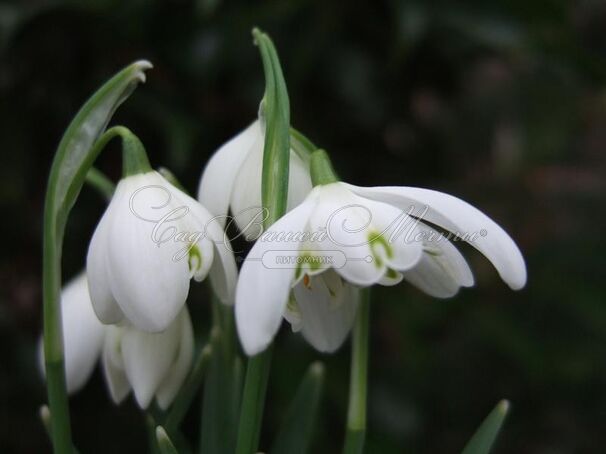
[150, 241]
[82, 334]
[149, 364]
[232, 180]
[365, 236]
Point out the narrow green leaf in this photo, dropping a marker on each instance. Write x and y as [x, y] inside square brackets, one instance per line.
[275, 109]
[355, 432]
[164, 444]
[484, 438]
[75, 155]
[222, 387]
[295, 434]
[276, 112]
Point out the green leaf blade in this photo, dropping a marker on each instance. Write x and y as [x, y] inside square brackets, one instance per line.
[295, 434]
[484, 438]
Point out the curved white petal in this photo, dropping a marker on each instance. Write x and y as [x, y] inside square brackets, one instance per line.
[148, 277]
[178, 372]
[246, 204]
[113, 365]
[148, 358]
[460, 217]
[220, 172]
[83, 334]
[103, 301]
[263, 289]
[442, 269]
[326, 318]
[443, 251]
[299, 181]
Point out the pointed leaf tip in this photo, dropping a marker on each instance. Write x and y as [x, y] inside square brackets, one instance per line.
[166, 446]
[483, 440]
[317, 369]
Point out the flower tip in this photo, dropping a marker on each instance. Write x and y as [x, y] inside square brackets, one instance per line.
[253, 347]
[518, 281]
[317, 369]
[45, 415]
[141, 66]
[161, 434]
[503, 406]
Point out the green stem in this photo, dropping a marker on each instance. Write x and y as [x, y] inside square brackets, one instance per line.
[54, 228]
[253, 401]
[150, 426]
[321, 169]
[356, 415]
[101, 183]
[276, 154]
[188, 391]
[301, 145]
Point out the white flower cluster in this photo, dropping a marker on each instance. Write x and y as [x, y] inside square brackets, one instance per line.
[129, 309]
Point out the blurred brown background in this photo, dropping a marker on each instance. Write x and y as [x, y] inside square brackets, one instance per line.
[501, 103]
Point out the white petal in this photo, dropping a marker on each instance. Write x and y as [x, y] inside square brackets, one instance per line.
[262, 291]
[147, 279]
[460, 217]
[299, 181]
[103, 301]
[83, 334]
[246, 204]
[113, 365]
[220, 172]
[148, 358]
[326, 319]
[178, 372]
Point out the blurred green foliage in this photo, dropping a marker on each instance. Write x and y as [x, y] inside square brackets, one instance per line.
[501, 103]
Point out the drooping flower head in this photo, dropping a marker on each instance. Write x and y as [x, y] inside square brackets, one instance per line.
[343, 235]
[152, 239]
[232, 179]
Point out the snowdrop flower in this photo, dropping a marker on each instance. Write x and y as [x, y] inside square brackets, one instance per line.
[82, 334]
[151, 364]
[347, 235]
[151, 240]
[232, 179]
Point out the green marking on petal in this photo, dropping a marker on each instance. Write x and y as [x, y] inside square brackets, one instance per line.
[391, 274]
[377, 241]
[195, 258]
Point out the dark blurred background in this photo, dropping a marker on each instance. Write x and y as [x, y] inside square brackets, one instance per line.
[501, 103]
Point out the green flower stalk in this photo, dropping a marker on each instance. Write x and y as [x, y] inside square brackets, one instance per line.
[276, 155]
[77, 150]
